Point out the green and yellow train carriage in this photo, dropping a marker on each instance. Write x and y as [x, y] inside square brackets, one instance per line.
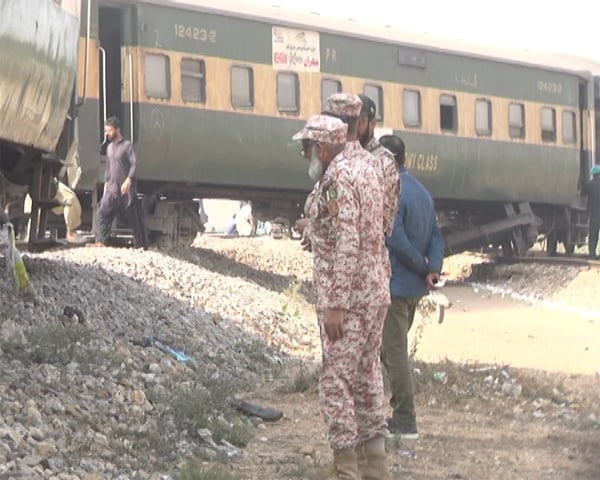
[212, 91]
[38, 67]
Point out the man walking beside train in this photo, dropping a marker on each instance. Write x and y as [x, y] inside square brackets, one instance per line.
[592, 191]
[352, 292]
[120, 192]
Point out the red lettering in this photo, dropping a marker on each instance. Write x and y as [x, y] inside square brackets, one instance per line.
[279, 58]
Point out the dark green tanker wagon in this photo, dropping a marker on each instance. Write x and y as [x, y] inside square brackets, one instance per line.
[38, 65]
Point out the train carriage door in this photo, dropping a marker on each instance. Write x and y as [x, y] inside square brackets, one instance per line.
[116, 67]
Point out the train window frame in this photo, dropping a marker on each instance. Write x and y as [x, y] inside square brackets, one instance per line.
[375, 93]
[326, 93]
[408, 117]
[483, 120]
[151, 88]
[548, 124]
[516, 126]
[569, 135]
[247, 101]
[448, 113]
[294, 106]
[193, 76]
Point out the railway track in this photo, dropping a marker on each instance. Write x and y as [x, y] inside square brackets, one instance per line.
[572, 261]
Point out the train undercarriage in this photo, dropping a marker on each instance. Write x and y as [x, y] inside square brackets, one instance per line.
[27, 171]
[511, 228]
[173, 219]
[172, 213]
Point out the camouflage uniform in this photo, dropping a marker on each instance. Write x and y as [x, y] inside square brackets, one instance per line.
[391, 182]
[348, 274]
[348, 106]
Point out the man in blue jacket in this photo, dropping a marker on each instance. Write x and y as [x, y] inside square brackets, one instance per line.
[416, 251]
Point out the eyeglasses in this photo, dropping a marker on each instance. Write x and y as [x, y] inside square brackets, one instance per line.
[307, 145]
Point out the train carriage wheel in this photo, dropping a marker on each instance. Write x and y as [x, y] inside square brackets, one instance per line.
[569, 248]
[551, 244]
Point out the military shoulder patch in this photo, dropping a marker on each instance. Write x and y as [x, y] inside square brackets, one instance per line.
[332, 201]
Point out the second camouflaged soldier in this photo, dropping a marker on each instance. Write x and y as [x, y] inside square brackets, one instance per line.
[352, 291]
[392, 185]
[347, 107]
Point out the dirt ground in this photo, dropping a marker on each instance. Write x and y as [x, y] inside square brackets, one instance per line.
[482, 327]
[471, 437]
[472, 426]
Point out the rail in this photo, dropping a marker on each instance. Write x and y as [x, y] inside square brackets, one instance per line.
[572, 261]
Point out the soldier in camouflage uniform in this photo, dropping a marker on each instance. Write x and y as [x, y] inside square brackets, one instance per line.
[352, 290]
[391, 174]
[347, 107]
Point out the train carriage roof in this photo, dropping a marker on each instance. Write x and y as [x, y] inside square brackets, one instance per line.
[351, 27]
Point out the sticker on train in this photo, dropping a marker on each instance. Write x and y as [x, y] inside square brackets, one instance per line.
[296, 50]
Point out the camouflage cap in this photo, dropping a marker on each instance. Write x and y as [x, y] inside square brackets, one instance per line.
[344, 105]
[323, 128]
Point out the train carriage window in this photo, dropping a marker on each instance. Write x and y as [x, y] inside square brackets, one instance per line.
[193, 80]
[569, 132]
[157, 78]
[375, 93]
[548, 124]
[329, 86]
[242, 86]
[516, 120]
[288, 92]
[483, 117]
[411, 111]
[448, 113]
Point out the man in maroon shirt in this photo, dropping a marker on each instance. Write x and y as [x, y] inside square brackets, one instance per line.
[119, 197]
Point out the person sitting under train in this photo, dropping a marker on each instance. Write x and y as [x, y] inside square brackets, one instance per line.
[241, 223]
[69, 207]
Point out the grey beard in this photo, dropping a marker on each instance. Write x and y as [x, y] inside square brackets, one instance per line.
[315, 168]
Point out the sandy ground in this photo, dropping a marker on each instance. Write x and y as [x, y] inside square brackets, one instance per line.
[481, 327]
[467, 432]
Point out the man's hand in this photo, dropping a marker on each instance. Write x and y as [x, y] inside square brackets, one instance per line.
[305, 244]
[126, 186]
[300, 225]
[431, 279]
[333, 323]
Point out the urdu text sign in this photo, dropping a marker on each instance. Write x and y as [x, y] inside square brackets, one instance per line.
[296, 50]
